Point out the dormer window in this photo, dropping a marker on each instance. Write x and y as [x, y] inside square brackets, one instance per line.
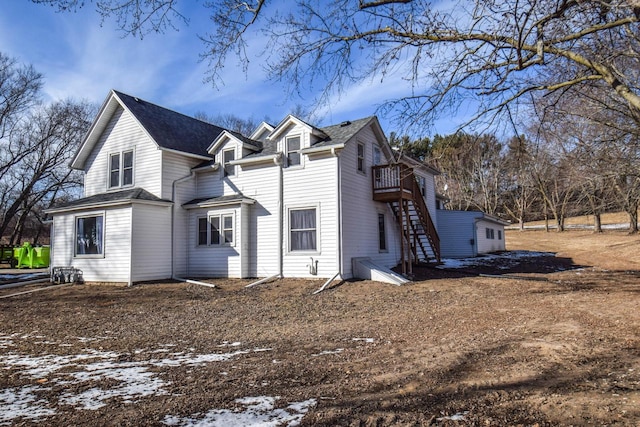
[229, 156]
[121, 169]
[293, 151]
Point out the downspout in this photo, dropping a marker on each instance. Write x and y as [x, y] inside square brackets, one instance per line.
[339, 213]
[279, 162]
[173, 219]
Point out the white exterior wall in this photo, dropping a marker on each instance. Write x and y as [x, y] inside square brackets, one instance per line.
[216, 260]
[313, 186]
[176, 167]
[486, 245]
[457, 230]
[124, 133]
[259, 226]
[151, 242]
[114, 265]
[360, 211]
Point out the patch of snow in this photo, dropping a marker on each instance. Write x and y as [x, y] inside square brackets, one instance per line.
[367, 340]
[257, 411]
[508, 258]
[460, 416]
[128, 380]
[22, 403]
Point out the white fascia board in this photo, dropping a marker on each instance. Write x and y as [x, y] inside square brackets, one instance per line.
[88, 206]
[314, 150]
[494, 219]
[285, 123]
[183, 153]
[103, 205]
[218, 204]
[260, 129]
[93, 134]
[220, 140]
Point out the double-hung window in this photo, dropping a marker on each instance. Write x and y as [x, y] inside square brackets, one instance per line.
[293, 151]
[360, 161]
[121, 169]
[229, 156]
[302, 230]
[89, 235]
[490, 233]
[216, 230]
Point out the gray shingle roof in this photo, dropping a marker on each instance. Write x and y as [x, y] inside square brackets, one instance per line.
[336, 134]
[343, 132]
[170, 129]
[115, 196]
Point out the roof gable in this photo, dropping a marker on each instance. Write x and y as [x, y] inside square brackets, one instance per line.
[169, 130]
[291, 120]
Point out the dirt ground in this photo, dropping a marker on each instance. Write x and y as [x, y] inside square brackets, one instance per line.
[554, 341]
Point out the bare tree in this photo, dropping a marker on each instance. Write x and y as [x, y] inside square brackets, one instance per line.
[484, 53]
[43, 142]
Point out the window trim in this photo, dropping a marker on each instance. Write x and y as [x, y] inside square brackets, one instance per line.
[490, 233]
[298, 151]
[382, 233]
[120, 169]
[360, 158]
[75, 235]
[224, 162]
[301, 207]
[221, 239]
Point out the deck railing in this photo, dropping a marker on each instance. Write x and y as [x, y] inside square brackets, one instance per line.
[389, 178]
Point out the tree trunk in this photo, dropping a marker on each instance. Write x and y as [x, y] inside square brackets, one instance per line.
[633, 218]
[597, 223]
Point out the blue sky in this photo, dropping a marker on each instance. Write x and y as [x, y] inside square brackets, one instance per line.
[82, 59]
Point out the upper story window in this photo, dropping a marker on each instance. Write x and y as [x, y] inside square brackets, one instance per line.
[360, 162]
[121, 169]
[377, 156]
[229, 156]
[293, 150]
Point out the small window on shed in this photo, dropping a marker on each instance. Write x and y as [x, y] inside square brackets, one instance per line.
[490, 233]
[499, 234]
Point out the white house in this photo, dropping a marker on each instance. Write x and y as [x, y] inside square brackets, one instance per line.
[166, 195]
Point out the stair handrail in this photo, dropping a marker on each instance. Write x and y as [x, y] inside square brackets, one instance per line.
[423, 211]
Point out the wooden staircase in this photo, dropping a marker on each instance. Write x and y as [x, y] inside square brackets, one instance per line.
[397, 185]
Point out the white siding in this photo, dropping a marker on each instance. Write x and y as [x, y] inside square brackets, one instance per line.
[315, 186]
[486, 245]
[114, 265]
[360, 211]
[457, 230]
[176, 167]
[215, 260]
[124, 133]
[151, 240]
